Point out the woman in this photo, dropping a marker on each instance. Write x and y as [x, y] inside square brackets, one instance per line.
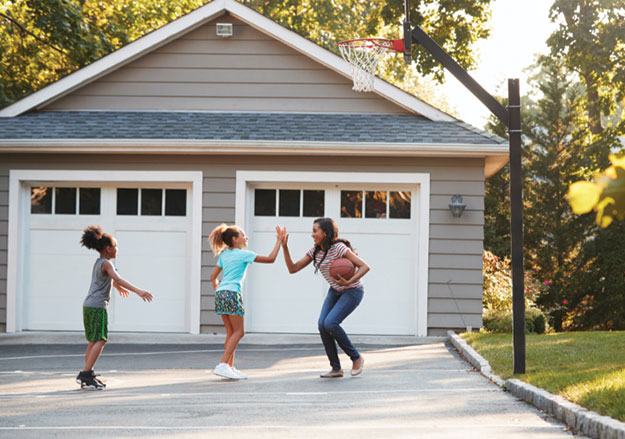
[343, 296]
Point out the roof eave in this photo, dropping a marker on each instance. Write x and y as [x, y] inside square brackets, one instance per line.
[496, 156]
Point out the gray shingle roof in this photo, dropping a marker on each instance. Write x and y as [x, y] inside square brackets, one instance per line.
[313, 127]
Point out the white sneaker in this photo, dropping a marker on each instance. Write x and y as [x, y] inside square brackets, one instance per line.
[238, 372]
[225, 371]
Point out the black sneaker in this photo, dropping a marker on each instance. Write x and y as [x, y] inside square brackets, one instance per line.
[95, 377]
[89, 382]
[80, 377]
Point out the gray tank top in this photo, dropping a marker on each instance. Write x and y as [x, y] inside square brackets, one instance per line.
[100, 289]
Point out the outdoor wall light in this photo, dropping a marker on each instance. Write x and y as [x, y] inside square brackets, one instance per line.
[457, 206]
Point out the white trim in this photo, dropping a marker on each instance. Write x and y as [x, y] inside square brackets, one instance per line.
[193, 20]
[422, 180]
[495, 155]
[17, 210]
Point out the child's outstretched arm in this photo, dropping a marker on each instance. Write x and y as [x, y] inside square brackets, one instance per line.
[108, 268]
[293, 267]
[122, 291]
[270, 259]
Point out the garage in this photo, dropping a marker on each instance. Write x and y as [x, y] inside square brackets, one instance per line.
[380, 219]
[153, 224]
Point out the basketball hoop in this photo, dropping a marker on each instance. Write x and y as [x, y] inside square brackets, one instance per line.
[363, 56]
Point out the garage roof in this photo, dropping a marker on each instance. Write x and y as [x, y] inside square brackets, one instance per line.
[301, 127]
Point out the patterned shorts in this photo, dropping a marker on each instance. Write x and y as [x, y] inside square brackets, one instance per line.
[96, 323]
[229, 302]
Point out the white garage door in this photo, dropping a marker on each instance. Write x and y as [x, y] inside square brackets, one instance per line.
[152, 227]
[380, 222]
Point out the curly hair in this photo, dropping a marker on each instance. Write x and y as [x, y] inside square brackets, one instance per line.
[94, 239]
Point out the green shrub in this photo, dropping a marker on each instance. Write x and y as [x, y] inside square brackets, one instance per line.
[501, 321]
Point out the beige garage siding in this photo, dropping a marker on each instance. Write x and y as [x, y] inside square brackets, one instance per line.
[202, 72]
[4, 232]
[455, 275]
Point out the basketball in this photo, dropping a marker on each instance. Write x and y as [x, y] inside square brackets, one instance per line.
[342, 266]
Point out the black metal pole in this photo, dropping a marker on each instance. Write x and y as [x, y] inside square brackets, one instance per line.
[511, 117]
[516, 226]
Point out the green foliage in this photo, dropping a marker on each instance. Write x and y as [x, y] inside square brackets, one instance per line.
[583, 367]
[591, 42]
[497, 284]
[498, 321]
[597, 296]
[43, 40]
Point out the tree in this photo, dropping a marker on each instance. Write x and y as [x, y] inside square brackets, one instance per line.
[43, 40]
[591, 41]
[554, 153]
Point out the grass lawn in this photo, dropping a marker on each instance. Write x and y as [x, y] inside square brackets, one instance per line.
[587, 368]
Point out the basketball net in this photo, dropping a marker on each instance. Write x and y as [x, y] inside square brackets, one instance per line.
[363, 56]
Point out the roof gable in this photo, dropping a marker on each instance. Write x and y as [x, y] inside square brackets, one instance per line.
[247, 72]
[192, 21]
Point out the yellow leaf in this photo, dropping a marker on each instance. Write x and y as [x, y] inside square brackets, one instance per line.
[583, 195]
[603, 219]
[616, 161]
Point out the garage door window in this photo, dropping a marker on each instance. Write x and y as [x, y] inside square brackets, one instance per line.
[40, 200]
[151, 202]
[65, 200]
[89, 201]
[377, 204]
[289, 202]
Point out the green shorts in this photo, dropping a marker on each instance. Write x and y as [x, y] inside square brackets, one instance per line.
[96, 322]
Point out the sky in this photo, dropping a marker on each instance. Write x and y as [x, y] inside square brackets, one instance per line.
[519, 30]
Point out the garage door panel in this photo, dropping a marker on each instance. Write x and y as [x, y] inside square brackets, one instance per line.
[277, 301]
[153, 254]
[388, 297]
[154, 261]
[60, 280]
[387, 244]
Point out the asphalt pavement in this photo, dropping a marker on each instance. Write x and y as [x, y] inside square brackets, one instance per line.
[409, 388]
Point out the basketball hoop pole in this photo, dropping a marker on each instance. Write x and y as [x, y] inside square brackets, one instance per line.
[511, 117]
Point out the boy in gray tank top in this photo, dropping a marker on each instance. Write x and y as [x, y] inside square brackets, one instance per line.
[95, 306]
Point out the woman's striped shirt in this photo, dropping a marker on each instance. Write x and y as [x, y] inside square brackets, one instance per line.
[336, 251]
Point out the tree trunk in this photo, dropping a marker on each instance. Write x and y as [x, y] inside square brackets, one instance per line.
[592, 106]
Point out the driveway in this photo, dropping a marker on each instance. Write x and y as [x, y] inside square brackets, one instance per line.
[163, 390]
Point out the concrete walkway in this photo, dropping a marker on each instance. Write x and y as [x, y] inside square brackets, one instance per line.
[161, 389]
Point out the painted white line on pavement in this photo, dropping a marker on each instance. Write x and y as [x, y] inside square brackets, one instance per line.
[121, 393]
[210, 371]
[121, 354]
[393, 426]
[306, 393]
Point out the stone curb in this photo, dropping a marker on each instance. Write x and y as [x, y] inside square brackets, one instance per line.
[586, 421]
[475, 359]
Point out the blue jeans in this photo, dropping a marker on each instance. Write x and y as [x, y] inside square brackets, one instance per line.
[336, 307]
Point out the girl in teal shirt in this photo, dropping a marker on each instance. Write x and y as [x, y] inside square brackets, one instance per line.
[230, 244]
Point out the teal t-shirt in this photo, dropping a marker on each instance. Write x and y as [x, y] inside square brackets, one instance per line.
[234, 263]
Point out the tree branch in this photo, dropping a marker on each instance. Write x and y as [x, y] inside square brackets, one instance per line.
[62, 52]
